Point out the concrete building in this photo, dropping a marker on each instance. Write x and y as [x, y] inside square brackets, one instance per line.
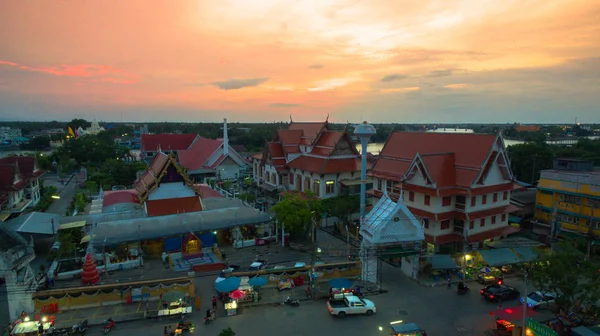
[94, 128]
[309, 157]
[203, 158]
[9, 134]
[19, 185]
[15, 255]
[458, 185]
[568, 198]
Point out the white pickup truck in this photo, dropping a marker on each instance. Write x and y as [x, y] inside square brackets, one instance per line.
[351, 305]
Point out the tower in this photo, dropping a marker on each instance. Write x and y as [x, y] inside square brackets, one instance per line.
[368, 252]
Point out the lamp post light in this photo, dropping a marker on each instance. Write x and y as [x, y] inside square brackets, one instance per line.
[364, 132]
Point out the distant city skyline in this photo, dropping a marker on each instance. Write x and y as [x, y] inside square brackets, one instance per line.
[431, 61]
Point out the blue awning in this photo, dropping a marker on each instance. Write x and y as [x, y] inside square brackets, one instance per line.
[514, 219]
[442, 261]
[526, 254]
[499, 257]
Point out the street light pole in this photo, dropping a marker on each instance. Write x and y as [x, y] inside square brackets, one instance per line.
[524, 330]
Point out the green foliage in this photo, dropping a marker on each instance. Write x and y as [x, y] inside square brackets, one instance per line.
[88, 150]
[342, 206]
[114, 173]
[80, 201]
[46, 199]
[227, 332]
[528, 159]
[67, 244]
[76, 123]
[44, 162]
[296, 211]
[227, 185]
[248, 182]
[565, 273]
[37, 143]
[248, 197]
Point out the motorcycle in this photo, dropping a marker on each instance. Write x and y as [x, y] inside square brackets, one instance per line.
[80, 328]
[210, 317]
[290, 302]
[463, 290]
[110, 325]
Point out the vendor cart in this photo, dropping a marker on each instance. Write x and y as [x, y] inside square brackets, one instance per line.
[400, 328]
[286, 284]
[29, 328]
[174, 303]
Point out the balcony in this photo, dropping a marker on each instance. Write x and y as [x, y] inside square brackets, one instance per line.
[460, 207]
[21, 206]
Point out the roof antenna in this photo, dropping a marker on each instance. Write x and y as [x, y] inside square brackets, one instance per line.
[327, 120]
[291, 121]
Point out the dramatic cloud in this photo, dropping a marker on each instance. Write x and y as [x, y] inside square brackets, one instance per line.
[283, 105]
[440, 73]
[402, 61]
[391, 78]
[236, 84]
[456, 86]
[97, 73]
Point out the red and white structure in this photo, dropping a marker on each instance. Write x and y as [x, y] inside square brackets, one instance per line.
[201, 157]
[308, 157]
[458, 185]
[19, 184]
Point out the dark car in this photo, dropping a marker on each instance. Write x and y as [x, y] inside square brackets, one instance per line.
[499, 293]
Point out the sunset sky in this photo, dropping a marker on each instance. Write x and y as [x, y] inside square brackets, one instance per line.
[263, 60]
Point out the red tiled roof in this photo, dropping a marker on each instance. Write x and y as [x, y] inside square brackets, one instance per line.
[257, 156]
[310, 131]
[151, 142]
[389, 168]
[440, 168]
[325, 166]
[207, 192]
[119, 197]
[8, 173]
[489, 212]
[171, 206]
[152, 172]
[503, 231]
[443, 239]
[27, 165]
[198, 153]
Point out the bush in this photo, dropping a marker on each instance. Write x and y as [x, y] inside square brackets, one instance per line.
[227, 332]
[46, 199]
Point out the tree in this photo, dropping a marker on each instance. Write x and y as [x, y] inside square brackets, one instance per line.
[67, 246]
[569, 276]
[248, 197]
[227, 332]
[296, 211]
[342, 206]
[76, 123]
[528, 159]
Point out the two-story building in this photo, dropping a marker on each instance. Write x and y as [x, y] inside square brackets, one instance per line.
[459, 185]
[309, 157]
[569, 197]
[19, 184]
[201, 157]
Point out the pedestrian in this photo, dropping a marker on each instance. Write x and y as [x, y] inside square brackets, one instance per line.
[449, 282]
[214, 303]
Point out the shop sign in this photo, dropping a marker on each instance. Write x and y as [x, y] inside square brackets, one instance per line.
[539, 329]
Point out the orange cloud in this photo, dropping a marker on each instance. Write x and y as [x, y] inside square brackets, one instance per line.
[406, 89]
[456, 86]
[96, 73]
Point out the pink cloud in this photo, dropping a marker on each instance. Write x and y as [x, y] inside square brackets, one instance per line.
[96, 73]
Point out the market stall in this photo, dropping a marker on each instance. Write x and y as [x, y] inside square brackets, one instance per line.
[174, 303]
[29, 328]
[231, 308]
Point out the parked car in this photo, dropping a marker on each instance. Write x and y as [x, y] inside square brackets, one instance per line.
[351, 305]
[537, 300]
[499, 293]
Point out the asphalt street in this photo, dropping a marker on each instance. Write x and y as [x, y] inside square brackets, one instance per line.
[66, 191]
[438, 310]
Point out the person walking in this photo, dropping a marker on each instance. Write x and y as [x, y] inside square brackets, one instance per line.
[214, 303]
[449, 282]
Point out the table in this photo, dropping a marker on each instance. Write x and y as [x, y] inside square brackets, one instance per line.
[231, 308]
[175, 311]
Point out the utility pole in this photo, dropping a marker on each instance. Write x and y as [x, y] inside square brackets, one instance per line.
[590, 232]
[465, 244]
[347, 241]
[524, 330]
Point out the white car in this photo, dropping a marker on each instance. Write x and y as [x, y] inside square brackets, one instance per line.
[537, 300]
[351, 305]
[257, 266]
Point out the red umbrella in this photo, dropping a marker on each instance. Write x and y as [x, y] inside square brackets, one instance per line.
[89, 275]
[237, 294]
[514, 313]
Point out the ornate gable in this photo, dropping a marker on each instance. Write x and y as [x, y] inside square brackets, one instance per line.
[163, 169]
[345, 146]
[418, 165]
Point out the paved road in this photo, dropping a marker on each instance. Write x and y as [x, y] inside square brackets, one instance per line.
[66, 193]
[439, 310]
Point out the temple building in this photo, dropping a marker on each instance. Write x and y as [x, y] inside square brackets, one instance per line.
[166, 203]
[19, 185]
[94, 128]
[201, 157]
[458, 185]
[309, 157]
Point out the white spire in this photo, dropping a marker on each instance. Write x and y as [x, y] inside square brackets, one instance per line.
[225, 138]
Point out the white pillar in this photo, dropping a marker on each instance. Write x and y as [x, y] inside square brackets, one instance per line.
[225, 138]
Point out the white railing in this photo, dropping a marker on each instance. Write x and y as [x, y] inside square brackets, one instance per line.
[574, 177]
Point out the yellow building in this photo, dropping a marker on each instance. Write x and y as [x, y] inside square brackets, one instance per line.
[570, 194]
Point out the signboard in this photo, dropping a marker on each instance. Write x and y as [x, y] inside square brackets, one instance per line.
[539, 329]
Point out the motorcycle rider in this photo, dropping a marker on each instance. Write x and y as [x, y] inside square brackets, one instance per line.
[461, 287]
[110, 325]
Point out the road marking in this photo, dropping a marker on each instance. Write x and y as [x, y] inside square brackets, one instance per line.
[138, 308]
[117, 310]
[73, 315]
[96, 312]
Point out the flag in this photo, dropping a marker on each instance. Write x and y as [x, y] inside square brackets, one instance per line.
[70, 130]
